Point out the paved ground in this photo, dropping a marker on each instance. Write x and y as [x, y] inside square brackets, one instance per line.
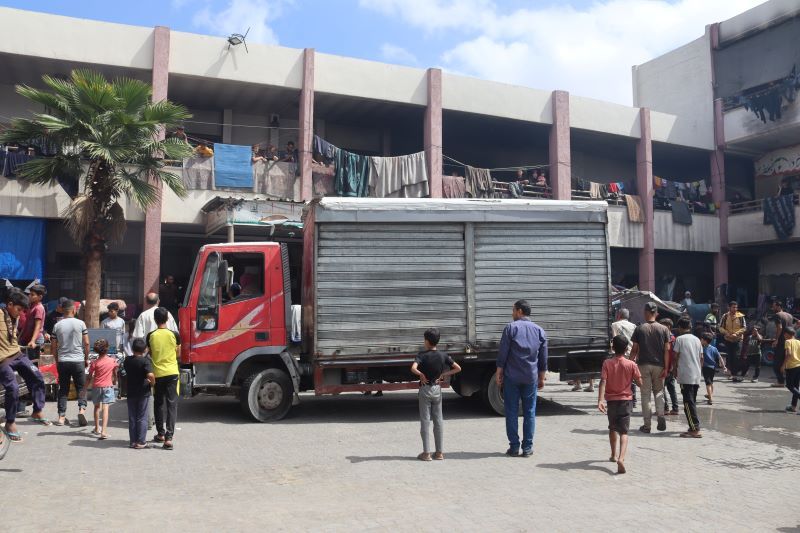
[346, 463]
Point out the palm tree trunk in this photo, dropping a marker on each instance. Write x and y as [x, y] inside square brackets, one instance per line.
[94, 276]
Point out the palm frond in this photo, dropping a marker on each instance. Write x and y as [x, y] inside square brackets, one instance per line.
[134, 183]
[134, 95]
[173, 181]
[165, 112]
[47, 170]
[79, 218]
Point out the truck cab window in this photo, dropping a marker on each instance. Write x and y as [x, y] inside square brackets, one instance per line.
[246, 275]
[207, 302]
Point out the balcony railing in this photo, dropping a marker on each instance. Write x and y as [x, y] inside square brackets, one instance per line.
[752, 206]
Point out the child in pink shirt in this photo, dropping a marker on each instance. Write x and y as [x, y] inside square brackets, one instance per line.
[616, 399]
[102, 376]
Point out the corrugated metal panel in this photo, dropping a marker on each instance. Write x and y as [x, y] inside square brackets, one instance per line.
[561, 269]
[380, 286]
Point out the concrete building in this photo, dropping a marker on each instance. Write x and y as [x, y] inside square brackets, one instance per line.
[678, 130]
[740, 78]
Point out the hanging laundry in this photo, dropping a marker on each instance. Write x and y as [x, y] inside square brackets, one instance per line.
[322, 181]
[702, 188]
[352, 174]
[324, 149]
[595, 190]
[198, 173]
[453, 187]
[478, 182]
[13, 160]
[779, 211]
[232, 166]
[681, 214]
[634, 204]
[276, 180]
[403, 176]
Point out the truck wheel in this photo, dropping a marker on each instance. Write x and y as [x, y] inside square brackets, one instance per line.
[493, 395]
[266, 394]
[456, 386]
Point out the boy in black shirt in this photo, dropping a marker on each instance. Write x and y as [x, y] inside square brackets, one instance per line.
[431, 366]
[139, 370]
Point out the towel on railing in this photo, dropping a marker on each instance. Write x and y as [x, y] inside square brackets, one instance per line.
[634, 204]
[453, 187]
[276, 180]
[779, 211]
[681, 214]
[352, 174]
[404, 176]
[198, 173]
[478, 182]
[232, 166]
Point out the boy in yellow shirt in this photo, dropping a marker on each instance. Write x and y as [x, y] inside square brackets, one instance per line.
[791, 367]
[164, 346]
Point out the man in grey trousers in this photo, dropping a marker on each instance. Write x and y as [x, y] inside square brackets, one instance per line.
[432, 366]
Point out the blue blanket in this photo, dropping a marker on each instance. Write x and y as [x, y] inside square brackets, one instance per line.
[232, 166]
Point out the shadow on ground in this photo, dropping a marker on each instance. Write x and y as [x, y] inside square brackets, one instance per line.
[458, 456]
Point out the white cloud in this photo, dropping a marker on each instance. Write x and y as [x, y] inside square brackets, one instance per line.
[397, 54]
[587, 51]
[238, 15]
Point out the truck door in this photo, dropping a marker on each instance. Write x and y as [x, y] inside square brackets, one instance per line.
[233, 312]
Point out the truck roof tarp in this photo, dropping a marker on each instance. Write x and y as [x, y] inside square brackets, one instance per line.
[458, 210]
[22, 248]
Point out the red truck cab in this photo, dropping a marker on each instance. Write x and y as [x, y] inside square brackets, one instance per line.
[233, 326]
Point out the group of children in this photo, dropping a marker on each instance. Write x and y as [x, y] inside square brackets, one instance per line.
[616, 397]
[103, 379]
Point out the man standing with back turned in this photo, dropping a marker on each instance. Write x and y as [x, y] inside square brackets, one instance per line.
[521, 369]
[651, 352]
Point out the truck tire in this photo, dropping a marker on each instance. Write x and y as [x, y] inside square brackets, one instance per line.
[266, 394]
[492, 395]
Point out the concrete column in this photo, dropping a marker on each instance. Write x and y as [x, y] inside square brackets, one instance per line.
[644, 184]
[433, 132]
[718, 195]
[560, 155]
[306, 133]
[151, 243]
[227, 126]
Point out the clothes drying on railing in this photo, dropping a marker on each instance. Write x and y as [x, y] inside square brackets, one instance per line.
[403, 176]
[277, 180]
[478, 182]
[634, 204]
[198, 173]
[681, 214]
[779, 211]
[454, 187]
[600, 191]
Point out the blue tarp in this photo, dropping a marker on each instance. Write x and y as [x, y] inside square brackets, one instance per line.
[232, 166]
[22, 248]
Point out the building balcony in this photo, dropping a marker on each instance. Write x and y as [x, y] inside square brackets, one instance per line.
[747, 134]
[746, 225]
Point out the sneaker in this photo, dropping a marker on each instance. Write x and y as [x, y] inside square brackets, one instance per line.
[754, 380]
[673, 412]
[424, 457]
[662, 424]
[511, 452]
[790, 409]
[644, 429]
[527, 453]
[438, 456]
[588, 389]
[576, 388]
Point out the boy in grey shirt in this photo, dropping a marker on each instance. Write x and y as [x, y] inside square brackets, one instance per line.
[71, 348]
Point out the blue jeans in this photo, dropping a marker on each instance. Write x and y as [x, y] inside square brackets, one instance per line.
[512, 394]
[33, 379]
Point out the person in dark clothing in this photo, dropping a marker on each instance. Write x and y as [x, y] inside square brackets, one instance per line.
[432, 367]
[669, 381]
[783, 321]
[141, 378]
[521, 370]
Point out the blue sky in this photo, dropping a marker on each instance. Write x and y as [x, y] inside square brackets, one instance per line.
[584, 46]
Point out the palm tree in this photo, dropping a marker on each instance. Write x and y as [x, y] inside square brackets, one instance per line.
[107, 139]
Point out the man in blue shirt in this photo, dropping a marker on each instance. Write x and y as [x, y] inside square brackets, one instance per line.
[521, 370]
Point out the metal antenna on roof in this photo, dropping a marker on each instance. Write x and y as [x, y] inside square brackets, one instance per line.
[236, 39]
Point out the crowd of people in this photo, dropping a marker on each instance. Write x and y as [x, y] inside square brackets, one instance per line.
[139, 360]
